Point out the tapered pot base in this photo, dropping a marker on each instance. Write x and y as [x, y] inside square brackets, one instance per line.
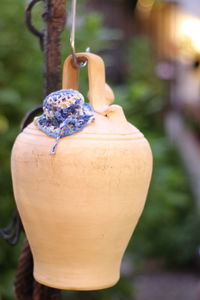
[71, 285]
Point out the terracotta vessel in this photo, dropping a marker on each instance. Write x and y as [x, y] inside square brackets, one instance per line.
[80, 206]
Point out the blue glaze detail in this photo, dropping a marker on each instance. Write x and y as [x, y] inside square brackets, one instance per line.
[64, 113]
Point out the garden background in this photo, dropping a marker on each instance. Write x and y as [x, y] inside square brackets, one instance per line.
[167, 236]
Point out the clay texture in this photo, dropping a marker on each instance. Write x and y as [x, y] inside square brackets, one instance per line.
[80, 206]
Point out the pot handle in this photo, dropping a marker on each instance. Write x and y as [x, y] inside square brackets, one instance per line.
[100, 94]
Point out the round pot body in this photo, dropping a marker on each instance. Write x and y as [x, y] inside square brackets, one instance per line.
[80, 206]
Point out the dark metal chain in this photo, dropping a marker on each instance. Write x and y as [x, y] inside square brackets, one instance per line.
[11, 233]
[54, 17]
[28, 20]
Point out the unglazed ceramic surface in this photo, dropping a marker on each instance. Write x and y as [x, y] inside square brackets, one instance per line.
[80, 206]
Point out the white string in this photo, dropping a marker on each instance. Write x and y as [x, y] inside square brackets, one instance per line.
[72, 38]
[73, 28]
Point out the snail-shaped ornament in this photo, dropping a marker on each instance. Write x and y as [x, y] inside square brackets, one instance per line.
[81, 174]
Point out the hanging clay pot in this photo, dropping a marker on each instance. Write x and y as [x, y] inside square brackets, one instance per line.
[79, 207]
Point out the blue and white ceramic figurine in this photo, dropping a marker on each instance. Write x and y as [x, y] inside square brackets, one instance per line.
[65, 113]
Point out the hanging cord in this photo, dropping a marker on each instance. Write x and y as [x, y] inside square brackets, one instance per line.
[26, 288]
[72, 35]
[24, 276]
[77, 63]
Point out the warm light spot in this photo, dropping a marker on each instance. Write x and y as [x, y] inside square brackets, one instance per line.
[190, 29]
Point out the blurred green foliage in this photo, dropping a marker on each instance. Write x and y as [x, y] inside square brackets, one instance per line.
[20, 65]
[168, 227]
